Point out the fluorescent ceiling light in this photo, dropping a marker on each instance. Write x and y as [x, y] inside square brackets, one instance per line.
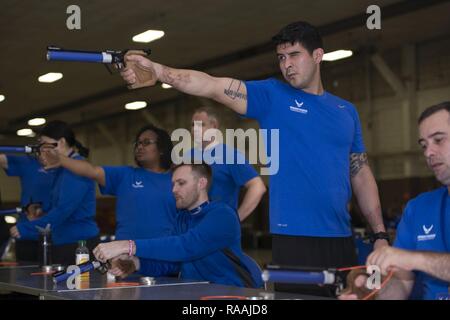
[50, 77]
[136, 105]
[25, 132]
[10, 219]
[148, 36]
[336, 55]
[166, 86]
[36, 122]
[2, 97]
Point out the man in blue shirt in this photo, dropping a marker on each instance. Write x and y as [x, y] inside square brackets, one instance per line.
[207, 245]
[322, 155]
[228, 178]
[35, 184]
[420, 257]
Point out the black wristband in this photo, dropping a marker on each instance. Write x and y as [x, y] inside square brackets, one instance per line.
[379, 236]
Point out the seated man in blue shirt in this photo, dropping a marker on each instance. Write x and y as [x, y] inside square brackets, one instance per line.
[228, 177]
[420, 257]
[206, 246]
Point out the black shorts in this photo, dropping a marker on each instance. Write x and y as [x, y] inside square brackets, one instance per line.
[316, 252]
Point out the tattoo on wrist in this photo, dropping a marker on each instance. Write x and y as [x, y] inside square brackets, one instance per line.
[357, 161]
[233, 90]
[171, 78]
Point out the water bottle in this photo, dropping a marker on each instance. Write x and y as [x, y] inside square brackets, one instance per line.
[82, 256]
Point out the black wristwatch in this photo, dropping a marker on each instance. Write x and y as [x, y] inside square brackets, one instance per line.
[379, 235]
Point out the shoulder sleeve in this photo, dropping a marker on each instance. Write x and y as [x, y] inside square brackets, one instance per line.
[358, 141]
[258, 98]
[113, 179]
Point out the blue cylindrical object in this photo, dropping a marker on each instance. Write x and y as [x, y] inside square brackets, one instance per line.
[298, 277]
[60, 55]
[84, 267]
[15, 149]
[10, 211]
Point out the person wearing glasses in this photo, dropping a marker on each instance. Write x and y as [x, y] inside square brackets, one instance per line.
[145, 207]
[71, 213]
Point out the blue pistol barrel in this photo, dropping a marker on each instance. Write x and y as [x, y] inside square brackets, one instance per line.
[56, 54]
[10, 211]
[16, 149]
[298, 277]
[84, 267]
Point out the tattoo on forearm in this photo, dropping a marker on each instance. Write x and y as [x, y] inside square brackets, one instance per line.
[233, 90]
[357, 161]
[171, 77]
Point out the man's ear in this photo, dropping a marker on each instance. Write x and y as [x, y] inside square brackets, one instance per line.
[62, 142]
[318, 55]
[203, 183]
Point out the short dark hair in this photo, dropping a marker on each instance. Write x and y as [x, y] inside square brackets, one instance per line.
[163, 143]
[200, 170]
[433, 109]
[302, 32]
[57, 129]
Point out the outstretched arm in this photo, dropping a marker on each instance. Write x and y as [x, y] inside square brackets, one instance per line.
[53, 159]
[227, 91]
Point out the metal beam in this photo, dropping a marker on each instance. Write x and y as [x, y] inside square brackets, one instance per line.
[107, 134]
[388, 75]
[150, 118]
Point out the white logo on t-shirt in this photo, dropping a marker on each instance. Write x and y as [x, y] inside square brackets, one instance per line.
[298, 108]
[137, 184]
[427, 235]
[427, 230]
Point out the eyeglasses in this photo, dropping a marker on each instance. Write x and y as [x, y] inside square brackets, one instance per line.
[38, 148]
[144, 143]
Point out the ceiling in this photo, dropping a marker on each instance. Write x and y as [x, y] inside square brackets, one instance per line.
[222, 37]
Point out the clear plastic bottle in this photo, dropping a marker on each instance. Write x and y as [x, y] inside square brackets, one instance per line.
[82, 256]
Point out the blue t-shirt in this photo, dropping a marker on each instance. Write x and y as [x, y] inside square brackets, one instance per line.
[145, 205]
[317, 133]
[421, 229]
[197, 249]
[35, 181]
[72, 210]
[228, 176]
